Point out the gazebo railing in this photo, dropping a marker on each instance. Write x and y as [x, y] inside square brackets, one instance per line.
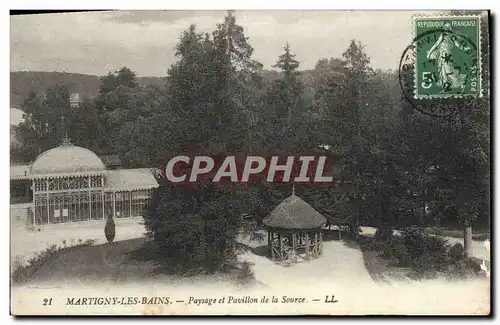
[287, 245]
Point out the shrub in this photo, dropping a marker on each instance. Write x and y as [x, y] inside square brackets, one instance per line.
[367, 243]
[374, 244]
[383, 233]
[400, 252]
[473, 264]
[426, 253]
[414, 240]
[391, 248]
[245, 274]
[456, 252]
[110, 229]
[465, 268]
[211, 261]
[18, 262]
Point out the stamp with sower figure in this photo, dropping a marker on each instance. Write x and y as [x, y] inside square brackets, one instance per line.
[447, 56]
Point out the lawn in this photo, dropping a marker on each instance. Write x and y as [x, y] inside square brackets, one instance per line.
[123, 262]
[96, 263]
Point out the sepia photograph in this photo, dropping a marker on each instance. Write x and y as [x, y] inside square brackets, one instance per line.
[250, 162]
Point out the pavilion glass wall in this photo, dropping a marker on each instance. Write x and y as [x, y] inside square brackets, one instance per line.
[71, 199]
[68, 199]
[126, 203]
[139, 201]
[122, 204]
[108, 204]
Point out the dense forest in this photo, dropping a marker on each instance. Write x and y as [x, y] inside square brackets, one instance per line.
[403, 167]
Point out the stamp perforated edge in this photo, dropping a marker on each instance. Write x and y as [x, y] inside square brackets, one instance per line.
[440, 15]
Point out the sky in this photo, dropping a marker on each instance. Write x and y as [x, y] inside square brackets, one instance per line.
[100, 42]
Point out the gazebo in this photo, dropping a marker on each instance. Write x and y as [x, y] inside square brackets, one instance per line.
[294, 230]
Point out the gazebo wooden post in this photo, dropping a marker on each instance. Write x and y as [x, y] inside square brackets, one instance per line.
[307, 245]
[294, 243]
[320, 242]
[280, 247]
[316, 246]
[269, 243]
[130, 203]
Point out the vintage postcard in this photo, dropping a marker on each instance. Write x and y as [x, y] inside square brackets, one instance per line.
[250, 163]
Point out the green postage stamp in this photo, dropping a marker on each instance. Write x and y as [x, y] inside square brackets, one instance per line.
[448, 56]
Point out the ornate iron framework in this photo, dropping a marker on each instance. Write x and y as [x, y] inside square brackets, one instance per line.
[83, 198]
[68, 199]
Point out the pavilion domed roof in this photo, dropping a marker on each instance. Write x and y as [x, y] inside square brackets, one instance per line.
[67, 159]
[294, 213]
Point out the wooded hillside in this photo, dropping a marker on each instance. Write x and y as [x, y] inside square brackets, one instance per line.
[24, 82]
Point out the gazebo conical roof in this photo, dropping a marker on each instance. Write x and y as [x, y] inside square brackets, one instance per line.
[294, 213]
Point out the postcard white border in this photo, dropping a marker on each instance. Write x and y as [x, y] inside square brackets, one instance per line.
[145, 4]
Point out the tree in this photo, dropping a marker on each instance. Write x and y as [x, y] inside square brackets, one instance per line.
[198, 225]
[86, 127]
[46, 122]
[230, 40]
[235, 72]
[190, 90]
[286, 91]
[195, 226]
[116, 104]
[342, 102]
[123, 77]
